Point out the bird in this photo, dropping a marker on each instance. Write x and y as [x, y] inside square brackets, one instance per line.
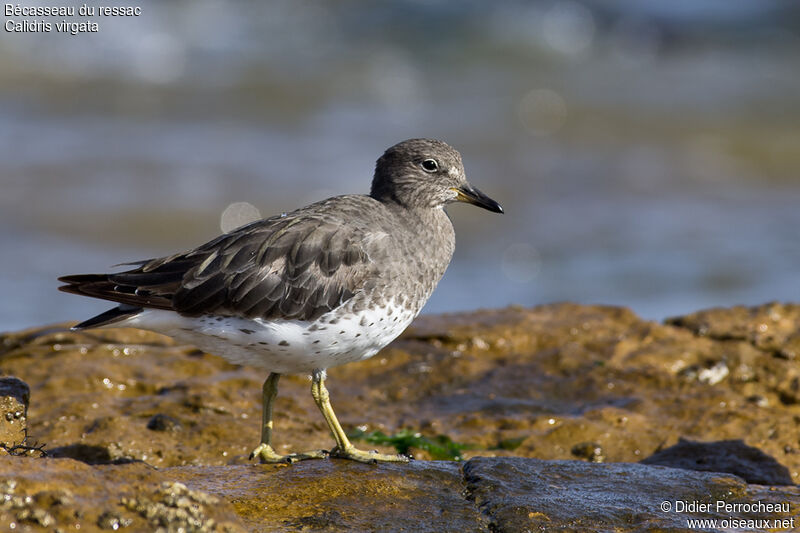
[301, 292]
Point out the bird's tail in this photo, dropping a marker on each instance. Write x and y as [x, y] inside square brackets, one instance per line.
[112, 316]
[97, 285]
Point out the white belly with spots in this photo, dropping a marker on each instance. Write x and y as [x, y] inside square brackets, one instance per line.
[283, 346]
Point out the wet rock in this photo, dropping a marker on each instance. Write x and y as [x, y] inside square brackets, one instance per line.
[731, 456]
[62, 494]
[554, 382]
[174, 507]
[530, 382]
[518, 494]
[483, 494]
[14, 398]
[337, 495]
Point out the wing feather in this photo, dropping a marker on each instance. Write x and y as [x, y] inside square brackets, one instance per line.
[291, 267]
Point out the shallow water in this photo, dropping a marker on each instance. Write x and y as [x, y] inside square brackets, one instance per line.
[645, 156]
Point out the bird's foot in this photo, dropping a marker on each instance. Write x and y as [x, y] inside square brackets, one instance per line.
[266, 454]
[354, 454]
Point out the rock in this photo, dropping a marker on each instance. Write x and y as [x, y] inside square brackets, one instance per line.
[93, 455]
[770, 327]
[591, 451]
[174, 507]
[162, 422]
[731, 456]
[483, 494]
[63, 494]
[518, 494]
[14, 398]
[339, 495]
[553, 383]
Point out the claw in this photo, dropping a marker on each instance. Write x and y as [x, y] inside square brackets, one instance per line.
[267, 455]
[372, 457]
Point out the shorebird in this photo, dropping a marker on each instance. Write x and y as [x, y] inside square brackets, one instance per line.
[301, 292]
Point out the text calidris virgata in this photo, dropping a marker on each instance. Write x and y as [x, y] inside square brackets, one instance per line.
[325, 285]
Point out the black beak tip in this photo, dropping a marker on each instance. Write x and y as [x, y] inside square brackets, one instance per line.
[487, 203]
[491, 205]
[476, 197]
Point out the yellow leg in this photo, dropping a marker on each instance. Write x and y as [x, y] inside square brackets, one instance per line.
[264, 450]
[344, 449]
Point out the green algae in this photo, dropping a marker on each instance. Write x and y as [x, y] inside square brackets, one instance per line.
[440, 447]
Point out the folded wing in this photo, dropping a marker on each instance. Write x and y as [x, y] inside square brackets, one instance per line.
[288, 267]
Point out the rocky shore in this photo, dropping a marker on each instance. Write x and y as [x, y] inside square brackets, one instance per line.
[566, 417]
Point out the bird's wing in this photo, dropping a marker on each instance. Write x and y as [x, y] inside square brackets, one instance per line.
[289, 267]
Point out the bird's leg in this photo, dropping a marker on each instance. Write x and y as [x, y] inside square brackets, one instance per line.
[344, 449]
[264, 450]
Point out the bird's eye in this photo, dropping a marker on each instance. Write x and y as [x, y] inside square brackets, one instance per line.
[430, 165]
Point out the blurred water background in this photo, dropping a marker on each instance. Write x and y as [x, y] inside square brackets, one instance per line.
[647, 153]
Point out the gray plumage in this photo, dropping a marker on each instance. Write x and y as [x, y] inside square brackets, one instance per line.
[325, 285]
[352, 251]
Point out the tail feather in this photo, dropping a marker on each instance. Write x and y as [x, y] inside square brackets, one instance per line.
[133, 292]
[79, 279]
[111, 316]
[152, 284]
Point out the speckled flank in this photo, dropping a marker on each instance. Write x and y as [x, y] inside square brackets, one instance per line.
[289, 346]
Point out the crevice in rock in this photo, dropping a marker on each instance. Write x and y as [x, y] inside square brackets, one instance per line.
[467, 483]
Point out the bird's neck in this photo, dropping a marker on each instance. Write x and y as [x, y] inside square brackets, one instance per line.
[434, 232]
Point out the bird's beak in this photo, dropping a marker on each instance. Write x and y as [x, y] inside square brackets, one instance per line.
[471, 195]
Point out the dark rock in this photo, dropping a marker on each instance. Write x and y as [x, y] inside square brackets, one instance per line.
[731, 456]
[93, 455]
[591, 451]
[162, 422]
[518, 494]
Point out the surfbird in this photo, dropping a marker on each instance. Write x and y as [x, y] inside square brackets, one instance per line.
[325, 285]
